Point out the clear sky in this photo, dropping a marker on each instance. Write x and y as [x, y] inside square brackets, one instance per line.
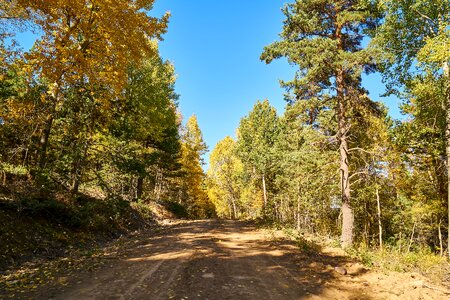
[215, 46]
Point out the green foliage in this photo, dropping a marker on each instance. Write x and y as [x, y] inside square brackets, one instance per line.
[397, 172]
[307, 246]
[176, 208]
[13, 169]
[130, 149]
[421, 261]
[257, 134]
[313, 39]
[363, 255]
[414, 38]
[412, 29]
[90, 133]
[324, 40]
[74, 120]
[306, 166]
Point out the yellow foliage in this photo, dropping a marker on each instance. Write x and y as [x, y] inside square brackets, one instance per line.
[92, 42]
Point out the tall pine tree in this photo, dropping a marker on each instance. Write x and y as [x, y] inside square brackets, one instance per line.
[323, 38]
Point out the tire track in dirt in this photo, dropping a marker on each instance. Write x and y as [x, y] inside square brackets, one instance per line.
[130, 291]
[212, 260]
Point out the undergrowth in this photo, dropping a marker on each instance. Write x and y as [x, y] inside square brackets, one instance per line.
[307, 244]
[51, 226]
[46, 232]
[420, 260]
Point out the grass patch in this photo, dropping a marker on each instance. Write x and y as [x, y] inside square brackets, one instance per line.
[306, 243]
[421, 261]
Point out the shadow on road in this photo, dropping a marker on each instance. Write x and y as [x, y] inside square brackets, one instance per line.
[212, 259]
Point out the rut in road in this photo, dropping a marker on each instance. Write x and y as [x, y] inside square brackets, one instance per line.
[213, 259]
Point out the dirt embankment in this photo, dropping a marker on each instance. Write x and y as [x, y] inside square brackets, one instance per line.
[40, 227]
[227, 260]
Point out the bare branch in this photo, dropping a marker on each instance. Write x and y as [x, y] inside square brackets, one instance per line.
[361, 149]
[356, 174]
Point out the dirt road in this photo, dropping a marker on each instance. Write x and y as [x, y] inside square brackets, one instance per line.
[222, 260]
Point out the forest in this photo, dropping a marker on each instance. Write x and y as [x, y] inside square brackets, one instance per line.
[90, 115]
[335, 163]
[94, 111]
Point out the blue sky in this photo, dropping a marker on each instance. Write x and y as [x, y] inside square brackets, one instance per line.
[215, 47]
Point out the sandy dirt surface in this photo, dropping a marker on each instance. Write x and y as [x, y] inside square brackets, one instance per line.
[229, 260]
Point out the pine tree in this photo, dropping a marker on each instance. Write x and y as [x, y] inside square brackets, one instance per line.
[323, 38]
[306, 169]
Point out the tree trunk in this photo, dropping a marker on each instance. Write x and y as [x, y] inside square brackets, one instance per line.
[380, 228]
[139, 187]
[25, 157]
[298, 209]
[79, 167]
[76, 184]
[280, 210]
[158, 184]
[343, 127]
[347, 211]
[441, 246]
[445, 69]
[411, 239]
[233, 201]
[265, 195]
[43, 142]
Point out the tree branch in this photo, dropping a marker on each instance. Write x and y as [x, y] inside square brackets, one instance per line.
[360, 149]
[355, 174]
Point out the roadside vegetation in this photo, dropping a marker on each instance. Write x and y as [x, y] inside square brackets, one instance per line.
[92, 143]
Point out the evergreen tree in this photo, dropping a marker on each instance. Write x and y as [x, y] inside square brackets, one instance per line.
[324, 39]
[306, 171]
[147, 117]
